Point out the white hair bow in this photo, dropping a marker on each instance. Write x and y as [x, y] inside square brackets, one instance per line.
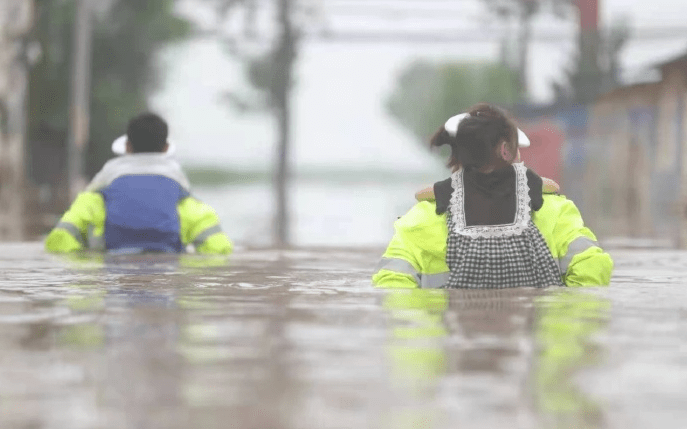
[451, 127]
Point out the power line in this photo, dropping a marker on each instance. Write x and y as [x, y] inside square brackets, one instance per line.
[368, 33]
[446, 37]
[396, 2]
[468, 36]
[408, 37]
[389, 13]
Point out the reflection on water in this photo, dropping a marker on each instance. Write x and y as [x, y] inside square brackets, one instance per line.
[565, 325]
[472, 341]
[417, 358]
[300, 339]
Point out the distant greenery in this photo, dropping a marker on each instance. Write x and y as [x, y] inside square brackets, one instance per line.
[210, 176]
[426, 94]
[217, 176]
[126, 38]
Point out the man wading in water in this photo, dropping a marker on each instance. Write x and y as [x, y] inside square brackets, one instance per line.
[139, 202]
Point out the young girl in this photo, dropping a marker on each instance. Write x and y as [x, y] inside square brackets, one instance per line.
[492, 241]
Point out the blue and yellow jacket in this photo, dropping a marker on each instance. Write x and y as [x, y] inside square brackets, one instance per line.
[139, 203]
[416, 255]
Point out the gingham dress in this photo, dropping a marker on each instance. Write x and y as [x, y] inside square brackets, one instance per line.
[497, 256]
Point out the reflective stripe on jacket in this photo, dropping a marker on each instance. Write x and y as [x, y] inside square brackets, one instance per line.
[416, 255]
[83, 226]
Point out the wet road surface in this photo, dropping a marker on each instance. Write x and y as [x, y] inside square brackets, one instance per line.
[300, 339]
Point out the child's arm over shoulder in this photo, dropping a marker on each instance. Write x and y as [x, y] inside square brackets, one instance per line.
[549, 186]
[426, 194]
[442, 188]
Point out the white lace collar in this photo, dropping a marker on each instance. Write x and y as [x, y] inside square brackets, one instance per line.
[522, 209]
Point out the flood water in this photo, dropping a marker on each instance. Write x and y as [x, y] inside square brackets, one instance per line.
[300, 339]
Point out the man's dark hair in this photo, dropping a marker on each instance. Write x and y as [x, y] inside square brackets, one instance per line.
[147, 133]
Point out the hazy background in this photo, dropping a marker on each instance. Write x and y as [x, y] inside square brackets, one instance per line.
[354, 160]
[339, 113]
[340, 119]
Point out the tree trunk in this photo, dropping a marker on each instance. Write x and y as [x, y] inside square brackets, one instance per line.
[284, 59]
[589, 74]
[80, 97]
[16, 20]
[524, 35]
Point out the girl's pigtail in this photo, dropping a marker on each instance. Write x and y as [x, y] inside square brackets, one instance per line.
[443, 138]
[440, 138]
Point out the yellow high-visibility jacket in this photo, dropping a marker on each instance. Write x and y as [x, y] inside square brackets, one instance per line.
[416, 255]
[83, 225]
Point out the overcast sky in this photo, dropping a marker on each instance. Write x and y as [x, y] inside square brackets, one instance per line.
[339, 115]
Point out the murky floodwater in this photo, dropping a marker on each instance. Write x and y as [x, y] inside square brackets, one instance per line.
[300, 339]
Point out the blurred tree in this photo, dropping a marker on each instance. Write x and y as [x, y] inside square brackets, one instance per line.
[515, 48]
[588, 77]
[127, 35]
[427, 94]
[522, 11]
[269, 61]
[595, 64]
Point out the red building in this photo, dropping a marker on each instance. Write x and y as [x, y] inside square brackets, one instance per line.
[544, 154]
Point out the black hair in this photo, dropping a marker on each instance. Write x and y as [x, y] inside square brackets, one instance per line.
[478, 136]
[147, 133]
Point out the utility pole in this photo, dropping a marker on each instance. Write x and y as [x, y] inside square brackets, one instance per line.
[16, 20]
[524, 35]
[522, 11]
[79, 112]
[589, 74]
[284, 58]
